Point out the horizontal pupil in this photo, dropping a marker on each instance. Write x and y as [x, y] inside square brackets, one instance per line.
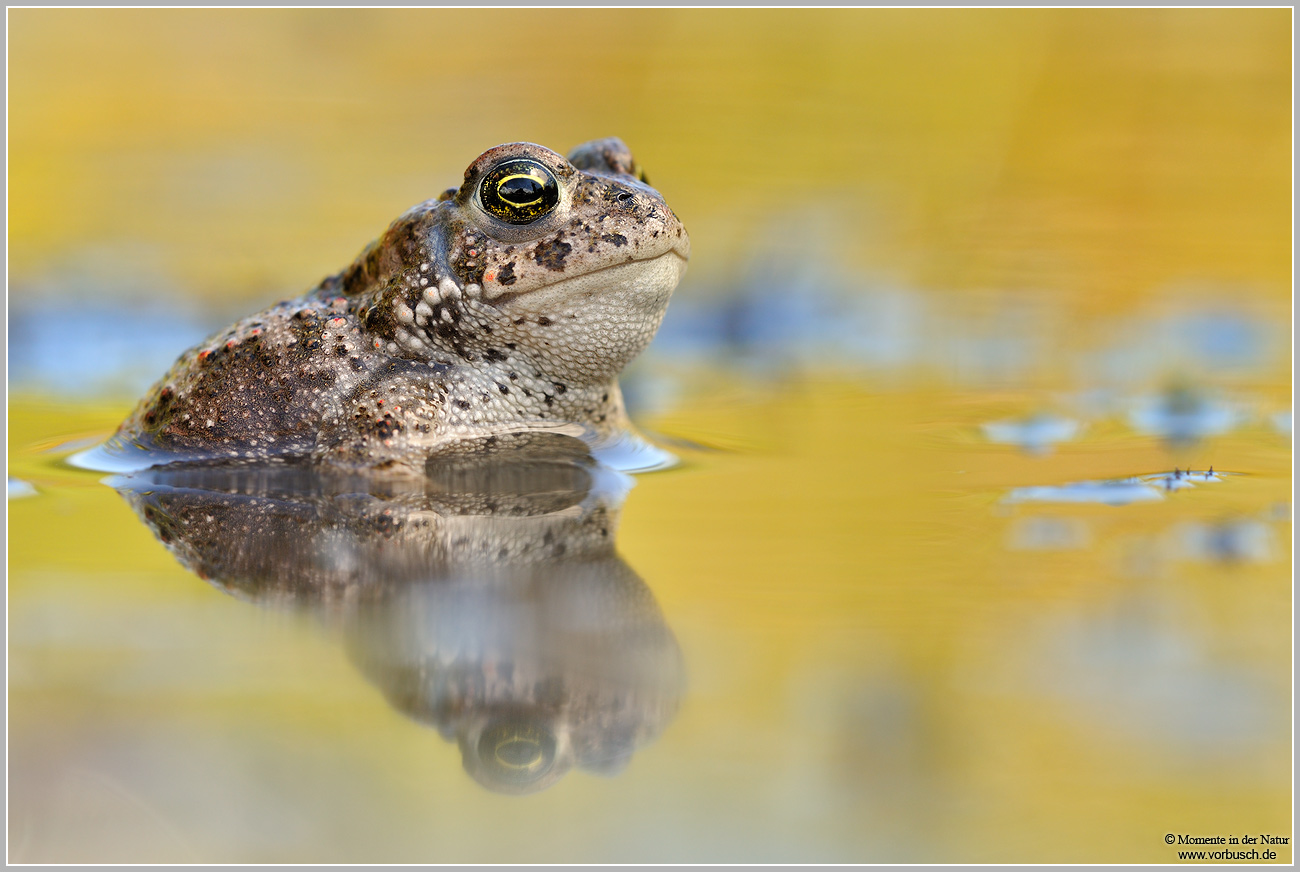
[520, 191]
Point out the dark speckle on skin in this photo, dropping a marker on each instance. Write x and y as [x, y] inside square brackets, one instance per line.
[616, 239]
[551, 254]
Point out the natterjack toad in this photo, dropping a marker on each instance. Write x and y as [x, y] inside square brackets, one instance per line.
[510, 303]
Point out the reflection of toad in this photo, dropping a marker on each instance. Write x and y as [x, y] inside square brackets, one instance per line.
[511, 302]
[486, 600]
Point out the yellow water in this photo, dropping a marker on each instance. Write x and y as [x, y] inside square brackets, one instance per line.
[885, 660]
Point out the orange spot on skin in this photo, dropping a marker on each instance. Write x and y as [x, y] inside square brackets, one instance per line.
[489, 277]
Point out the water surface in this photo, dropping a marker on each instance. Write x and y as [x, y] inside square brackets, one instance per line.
[883, 655]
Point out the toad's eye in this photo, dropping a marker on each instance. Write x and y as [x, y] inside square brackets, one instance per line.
[519, 191]
[516, 751]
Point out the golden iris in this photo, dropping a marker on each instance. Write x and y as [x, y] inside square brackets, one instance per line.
[519, 191]
[517, 750]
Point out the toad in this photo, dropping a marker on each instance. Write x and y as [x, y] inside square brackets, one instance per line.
[510, 303]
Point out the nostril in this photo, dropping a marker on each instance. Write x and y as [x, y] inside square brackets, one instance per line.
[624, 197]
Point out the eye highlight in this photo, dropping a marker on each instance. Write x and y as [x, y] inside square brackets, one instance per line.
[519, 191]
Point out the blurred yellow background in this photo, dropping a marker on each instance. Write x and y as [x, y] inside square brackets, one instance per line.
[1091, 154]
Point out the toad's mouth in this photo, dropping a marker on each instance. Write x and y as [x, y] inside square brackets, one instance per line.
[653, 277]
